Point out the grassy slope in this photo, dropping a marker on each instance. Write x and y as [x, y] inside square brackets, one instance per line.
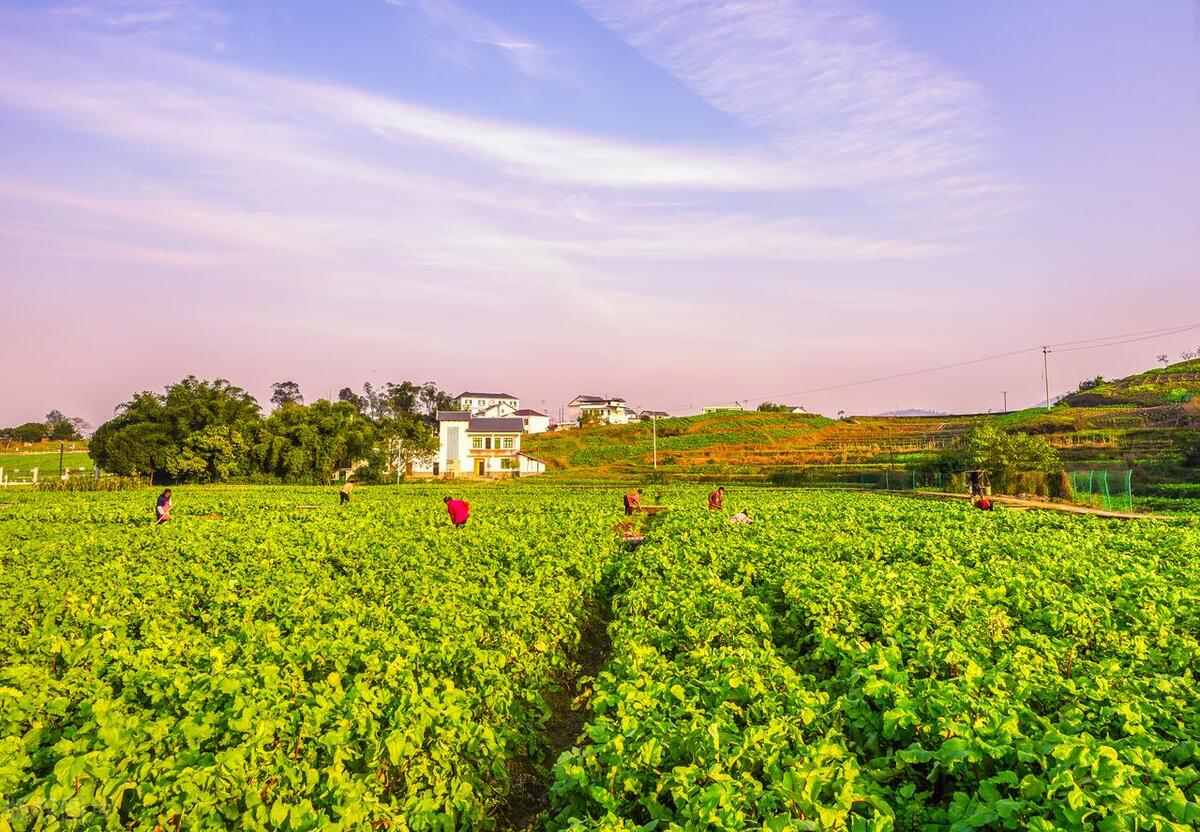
[754, 445]
[1173, 384]
[17, 466]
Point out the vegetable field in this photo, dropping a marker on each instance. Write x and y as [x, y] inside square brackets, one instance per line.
[270, 660]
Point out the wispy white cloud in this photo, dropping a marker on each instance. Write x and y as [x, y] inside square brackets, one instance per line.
[826, 81]
[464, 26]
[164, 21]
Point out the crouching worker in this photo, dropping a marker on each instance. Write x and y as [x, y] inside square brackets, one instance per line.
[162, 508]
[633, 501]
[716, 500]
[983, 503]
[460, 511]
[742, 518]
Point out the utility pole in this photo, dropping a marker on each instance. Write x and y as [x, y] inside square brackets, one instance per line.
[60, 459]
[1046, 373]
[1005, 401]
[654, 429]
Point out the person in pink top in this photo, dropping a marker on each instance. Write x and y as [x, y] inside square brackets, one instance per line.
[460, 510]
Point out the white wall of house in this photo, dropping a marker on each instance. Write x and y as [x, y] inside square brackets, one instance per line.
[607, 414]
[536, 423]
[480, 403]
[464, 449]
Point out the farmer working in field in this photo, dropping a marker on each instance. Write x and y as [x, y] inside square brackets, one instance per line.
[742, 518]
[975, 483]
[633, 500]
[344, 493]
[460, 511]
[716, 500]
[162, 508]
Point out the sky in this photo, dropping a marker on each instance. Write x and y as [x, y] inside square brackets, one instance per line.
[679, 202]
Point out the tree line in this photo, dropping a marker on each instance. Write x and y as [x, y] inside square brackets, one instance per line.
[55, 426]
[200, 431]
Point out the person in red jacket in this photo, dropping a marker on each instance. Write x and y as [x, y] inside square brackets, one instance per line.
[460, 510]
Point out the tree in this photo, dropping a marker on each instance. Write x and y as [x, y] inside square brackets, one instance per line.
[403, 441]
[1090, 384]
[1163, 358]
[1003, 454]
[307, 443]
[59, 426]
[28, 432]
[285, 393]
[774, 407]
[173, 436]
[360, 403]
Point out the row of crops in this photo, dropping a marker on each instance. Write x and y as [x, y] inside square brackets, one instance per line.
[852, 661]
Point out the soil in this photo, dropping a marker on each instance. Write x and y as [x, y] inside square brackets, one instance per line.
[530, 778]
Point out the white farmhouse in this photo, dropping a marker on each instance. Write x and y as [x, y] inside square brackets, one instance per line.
[478, 446]
[605, 410]
[535, 422]
[496, 405]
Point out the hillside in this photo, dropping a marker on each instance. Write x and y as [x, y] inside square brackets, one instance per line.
[752, 445]
[1174, 384]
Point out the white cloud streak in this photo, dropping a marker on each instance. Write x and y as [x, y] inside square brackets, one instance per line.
[824, 80]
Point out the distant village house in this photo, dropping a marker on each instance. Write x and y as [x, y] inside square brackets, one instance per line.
[604, 410]
[479, 446]
[535, 421]
[496, 405]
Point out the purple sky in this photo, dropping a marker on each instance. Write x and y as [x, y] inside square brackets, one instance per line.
[681, 202]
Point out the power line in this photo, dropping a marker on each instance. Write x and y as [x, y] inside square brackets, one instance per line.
[1131, 337]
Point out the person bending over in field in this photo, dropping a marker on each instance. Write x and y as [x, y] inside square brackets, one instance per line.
[716, 500]
[742, 518]
[162, 508]
[460, 511]
[633, 500]
[983, 503]
[344, 493]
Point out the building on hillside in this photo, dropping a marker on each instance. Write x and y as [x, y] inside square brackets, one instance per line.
[478, 446]
[535, 422]
[651, 415]
[604, 410]
[495, 405]
[798, 410]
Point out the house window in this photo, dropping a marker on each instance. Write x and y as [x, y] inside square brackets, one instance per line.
[477, 443]
[487, 443]
[508, 443]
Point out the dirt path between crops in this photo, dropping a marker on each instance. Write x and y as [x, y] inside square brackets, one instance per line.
[1020, 504]
[530, 779]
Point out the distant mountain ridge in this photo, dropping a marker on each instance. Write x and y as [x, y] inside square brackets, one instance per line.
[912, 412]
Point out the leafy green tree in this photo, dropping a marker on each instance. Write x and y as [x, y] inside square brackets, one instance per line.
[406, 440]
[28, 432]
[285, 393]
[1002, 454]
[308, 443]
[773, 407]
[170, 436]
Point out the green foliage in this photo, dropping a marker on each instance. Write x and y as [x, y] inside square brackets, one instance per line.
[252, 666]
[774, 407]
[308, 443]
[850, 662]
[857, 663]
[1001, 453]
[196, 431]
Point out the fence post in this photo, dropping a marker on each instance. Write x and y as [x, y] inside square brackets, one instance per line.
[34, 472]
[1107, 495]
[1129, 488]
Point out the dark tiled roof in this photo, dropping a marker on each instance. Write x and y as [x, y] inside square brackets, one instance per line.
[528, 413]
[508, 425]
[486, 396]
[453, 416]
[598, 399]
